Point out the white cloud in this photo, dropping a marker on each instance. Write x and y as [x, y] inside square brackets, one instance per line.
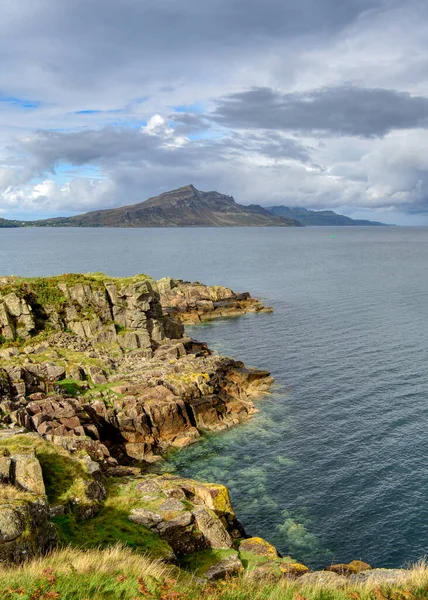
[142, 59]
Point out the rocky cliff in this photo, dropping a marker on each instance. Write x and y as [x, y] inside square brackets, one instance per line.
[96, 381]
[92, 356]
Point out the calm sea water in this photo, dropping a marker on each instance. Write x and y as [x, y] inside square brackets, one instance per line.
[335, 465]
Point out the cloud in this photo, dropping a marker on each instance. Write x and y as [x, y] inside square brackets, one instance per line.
[319, 103]
[346, 110]
[134, 164]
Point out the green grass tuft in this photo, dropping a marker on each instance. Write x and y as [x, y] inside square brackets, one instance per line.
[111, 526]
[64, 476]
[72, 387]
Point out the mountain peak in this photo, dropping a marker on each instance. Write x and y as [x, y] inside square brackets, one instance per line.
[184, 207]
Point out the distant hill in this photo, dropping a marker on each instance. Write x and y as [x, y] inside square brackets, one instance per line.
[317, 217]
[5, 223]
[184, 207]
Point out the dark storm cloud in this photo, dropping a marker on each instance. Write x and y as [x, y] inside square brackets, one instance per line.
[52, 46]
[111, 146]
[346, 110]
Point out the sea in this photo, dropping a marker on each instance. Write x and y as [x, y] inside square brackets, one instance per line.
[334, 466]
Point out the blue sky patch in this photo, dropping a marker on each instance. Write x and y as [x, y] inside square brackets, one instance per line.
[87, 112]
[23, 103]
[66, 171]
[192, 108]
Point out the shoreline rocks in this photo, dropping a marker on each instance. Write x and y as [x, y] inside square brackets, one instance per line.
[99, 359]
[98, 379]
[192, 302]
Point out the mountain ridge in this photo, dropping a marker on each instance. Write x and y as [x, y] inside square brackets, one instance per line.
[183, 207]
[309, 217]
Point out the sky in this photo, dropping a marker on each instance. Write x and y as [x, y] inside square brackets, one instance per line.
[315, 103]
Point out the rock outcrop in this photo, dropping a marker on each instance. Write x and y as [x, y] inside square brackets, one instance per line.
[25, 527]
[189, 515]
[191, 302]
[96, 357]
[126, 312]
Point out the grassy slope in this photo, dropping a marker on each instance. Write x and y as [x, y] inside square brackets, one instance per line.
[65, 480]
[118, 573]
[110, 526]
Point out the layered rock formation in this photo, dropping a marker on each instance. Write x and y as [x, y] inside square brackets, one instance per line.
[96, 369]
[191, 302]
[97, 358]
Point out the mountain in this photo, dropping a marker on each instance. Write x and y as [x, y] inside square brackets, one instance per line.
[184, 207]
[317, 217]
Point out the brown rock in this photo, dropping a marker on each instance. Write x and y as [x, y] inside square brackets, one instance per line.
[350, 568]
[212, 529]
[258, 546]
[293, 569]
[226, 567]
[28, 473]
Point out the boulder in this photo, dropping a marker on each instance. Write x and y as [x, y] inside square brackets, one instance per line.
[28, 474]
[213, 530]
[25, 527]
[354, 566]
[323, 578]
[227, 567]
[293, 569]
[145, 517]
[359, 565]
[379, 576]
[258, 546]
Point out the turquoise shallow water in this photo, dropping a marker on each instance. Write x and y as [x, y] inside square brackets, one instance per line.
[334, 466]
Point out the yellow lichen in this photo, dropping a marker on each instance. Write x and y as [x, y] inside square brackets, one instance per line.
[293, 568]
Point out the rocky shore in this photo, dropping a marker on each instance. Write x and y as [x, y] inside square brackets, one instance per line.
[98, 358]
[97, 381]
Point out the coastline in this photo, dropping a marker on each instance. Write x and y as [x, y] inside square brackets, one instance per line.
[75, 351]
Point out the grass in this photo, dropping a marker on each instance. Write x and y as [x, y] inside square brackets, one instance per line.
[64, 476]
[118, 573]
[72, 387]
[69, 574]
[200, 562]
[108, 528]
[11, 495]
[111, 526]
